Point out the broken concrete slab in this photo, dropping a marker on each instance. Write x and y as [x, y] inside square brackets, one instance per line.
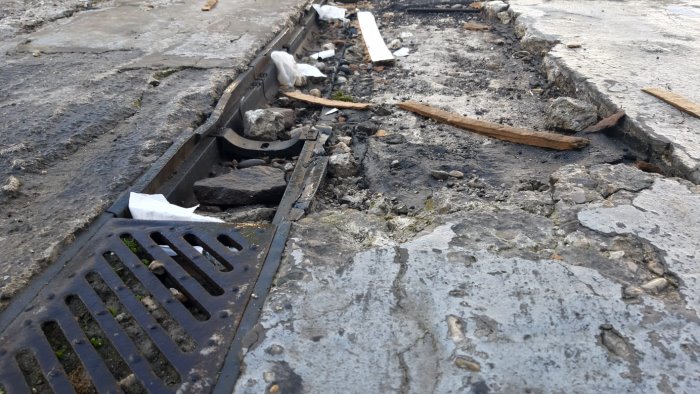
[646, 42]
[253, 185]
[343, 165]
[566, 113]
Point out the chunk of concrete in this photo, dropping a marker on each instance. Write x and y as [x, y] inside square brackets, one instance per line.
[263, 124]
[567, 113]
[343, 165]
[260, 184]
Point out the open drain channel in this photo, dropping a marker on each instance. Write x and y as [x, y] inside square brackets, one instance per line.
[159, 306]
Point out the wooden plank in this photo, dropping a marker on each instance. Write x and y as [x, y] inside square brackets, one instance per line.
[326, 102]
[474, 26]
[374, 42]
[495, 130]
[677, 101]
[209, 5]
[606, 123]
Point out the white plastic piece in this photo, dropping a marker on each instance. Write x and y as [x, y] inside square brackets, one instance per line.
[374, 42]
[323, 54]
[288, 73]
[308, 70]
[332, 111]
[170, 252]
[401, 52]
[329, 12]
[157, 207]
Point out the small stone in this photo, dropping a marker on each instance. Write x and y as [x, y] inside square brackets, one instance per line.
[36, 53]
[400, 209]
[342, 165]
[263, 124]
[12, 186]
[328, 46]
[439, 175]
[129, 383]
[315, 92]
[296, 132]
[340, 147]
[655, 285]
[368, 127]
[156, 267]
[465, 363]
[149, 303]
[395, 164]
[504, 16]
[579, 197]
[251, 163]
[395, 44]
[342, 80]
[381, 133]
[656, 267]
[321, 66]
[269, 376]
[456, 174]
[275, 350]
[633, 291]
[178, 295]
[347, 140]
[274, 389]
[617, 254]
[570, 114]
[573, 45]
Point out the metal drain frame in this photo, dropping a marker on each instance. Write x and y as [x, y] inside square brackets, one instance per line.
[250, 88]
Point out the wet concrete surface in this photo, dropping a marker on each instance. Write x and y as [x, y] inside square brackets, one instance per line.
[537, 271]
[90, 98]
[624, 47]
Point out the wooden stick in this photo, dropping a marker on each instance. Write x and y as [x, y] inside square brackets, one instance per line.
[209, 5]
[677, 101]
[608, 122]
[501, 132]
[474, 26]
[326, 102]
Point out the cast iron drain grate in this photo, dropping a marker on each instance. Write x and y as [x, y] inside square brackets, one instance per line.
[112, 320]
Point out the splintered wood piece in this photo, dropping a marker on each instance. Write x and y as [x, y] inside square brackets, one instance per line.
[209, 5]
[325, 102]
[376, 47]
[677, 101]
[606, 123]
[474, 26]
[501, 132]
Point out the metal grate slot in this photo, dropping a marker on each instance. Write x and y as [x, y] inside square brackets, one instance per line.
[146, 348]
[32, 372]
[71, 365]
[106, 323]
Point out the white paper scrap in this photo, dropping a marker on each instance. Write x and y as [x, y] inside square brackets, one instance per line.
[308, 70]
[323, 54]
[401, 52]
[374, 42]
[157, 207]
[329, 12]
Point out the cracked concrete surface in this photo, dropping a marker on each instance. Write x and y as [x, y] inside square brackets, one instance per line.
[488, 299]
[91, 95]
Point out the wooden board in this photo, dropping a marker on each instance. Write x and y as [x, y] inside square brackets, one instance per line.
[677, 101]
[325, 102]
[474, 26]
[209, 5]
[495, 130]
[606, 123]
[376, 47]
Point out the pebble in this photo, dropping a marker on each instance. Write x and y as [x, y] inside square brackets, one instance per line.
[275, 350]
[342, 80]
[178, 295]
[340, 147]
[315, 92]
[251, 163]
[656, 267]
[464, 363]
[381, 133]
[149, 303]
[321, 66]
[347, 140]
[617, 254]
[156, 267]
[456, 174]
[439, 175]
[395, 164]
[656, 284]
[328, 46]
[395, 44]
[633, 291]
[12, 185]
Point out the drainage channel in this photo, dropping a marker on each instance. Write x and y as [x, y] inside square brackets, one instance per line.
[157, 306]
